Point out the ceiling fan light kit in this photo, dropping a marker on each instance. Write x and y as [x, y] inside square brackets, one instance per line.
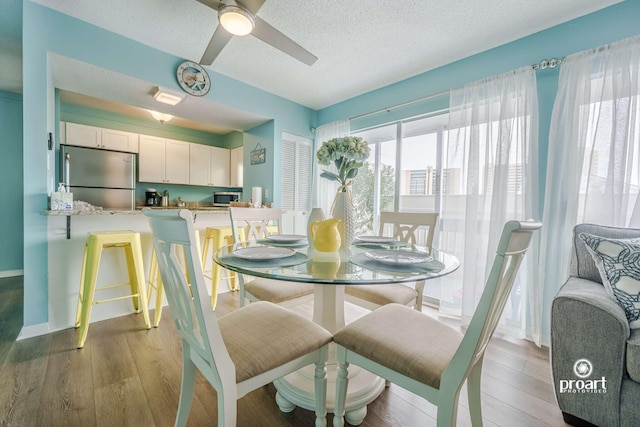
[240, 18]
[236, 20]
[167, 97]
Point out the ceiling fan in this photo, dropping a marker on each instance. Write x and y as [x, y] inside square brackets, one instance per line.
[239, 18]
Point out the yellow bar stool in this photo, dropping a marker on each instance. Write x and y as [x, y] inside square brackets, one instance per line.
[216, 237]
[155, 281]
[95, 244]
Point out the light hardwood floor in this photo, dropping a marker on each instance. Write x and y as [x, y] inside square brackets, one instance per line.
[129, 376]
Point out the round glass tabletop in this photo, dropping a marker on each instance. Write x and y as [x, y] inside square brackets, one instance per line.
[361, 264]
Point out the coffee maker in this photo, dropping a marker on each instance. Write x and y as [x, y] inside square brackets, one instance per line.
[150, 197]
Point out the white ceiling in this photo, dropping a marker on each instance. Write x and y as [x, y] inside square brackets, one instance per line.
[361, 45]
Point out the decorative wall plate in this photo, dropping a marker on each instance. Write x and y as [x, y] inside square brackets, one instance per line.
[193, 79]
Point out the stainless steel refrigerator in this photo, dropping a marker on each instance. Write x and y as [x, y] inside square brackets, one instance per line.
[100, 177]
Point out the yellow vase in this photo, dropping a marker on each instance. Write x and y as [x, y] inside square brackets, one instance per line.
[325, 234]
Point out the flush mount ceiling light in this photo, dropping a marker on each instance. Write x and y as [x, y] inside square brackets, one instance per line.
[166, 96]
[236, 19]
[161, 117]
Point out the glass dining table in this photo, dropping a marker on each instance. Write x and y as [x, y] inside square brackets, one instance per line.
[366, 262]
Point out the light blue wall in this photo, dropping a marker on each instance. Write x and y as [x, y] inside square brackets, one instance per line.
[599, 28]
[260, 175]
[46, 31]
[233, 139]
[11, 234]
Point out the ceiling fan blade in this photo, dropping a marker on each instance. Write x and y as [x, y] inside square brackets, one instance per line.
[213, 4]
[216, 44]
[252, 6]
[275, 38]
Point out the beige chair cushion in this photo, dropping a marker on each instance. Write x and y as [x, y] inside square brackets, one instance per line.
[289, 335]
[383, 294]
[277, 291]
[404, 340]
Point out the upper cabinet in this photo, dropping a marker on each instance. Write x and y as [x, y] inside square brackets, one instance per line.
[95, 137]
[83, 136]
[119, 141]
[209, 165]
[163, 160]
[236, 173]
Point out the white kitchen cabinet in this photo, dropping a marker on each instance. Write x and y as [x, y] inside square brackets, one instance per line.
[118, 140]
[95, 137]
[163, 160]
[177, 162]
[236, 172]
[151, 159]
[220, 166]
[208, 165]
[199, 165]
[83, 135]
[62, 132]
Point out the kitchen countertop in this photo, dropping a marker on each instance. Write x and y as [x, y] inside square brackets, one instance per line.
[137, 211]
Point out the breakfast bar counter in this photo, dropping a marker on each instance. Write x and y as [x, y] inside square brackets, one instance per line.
[66, 236]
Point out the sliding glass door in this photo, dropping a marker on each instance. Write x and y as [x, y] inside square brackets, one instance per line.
[402, 174]
[374, 186]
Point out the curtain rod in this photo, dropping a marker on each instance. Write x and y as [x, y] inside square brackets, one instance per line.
[388, 109]
[545, 63]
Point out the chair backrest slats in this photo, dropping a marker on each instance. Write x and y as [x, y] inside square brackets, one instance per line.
[406, 226]
[173, 233]
[255, 221]
[511, 250]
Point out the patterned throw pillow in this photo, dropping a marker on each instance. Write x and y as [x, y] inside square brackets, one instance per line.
[618, 261]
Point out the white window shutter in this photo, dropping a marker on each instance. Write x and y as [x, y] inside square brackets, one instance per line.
[288, 175]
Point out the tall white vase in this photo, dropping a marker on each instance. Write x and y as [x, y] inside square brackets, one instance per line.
[343, 210]
[316, 214]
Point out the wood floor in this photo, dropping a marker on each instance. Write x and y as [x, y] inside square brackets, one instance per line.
[129, 376]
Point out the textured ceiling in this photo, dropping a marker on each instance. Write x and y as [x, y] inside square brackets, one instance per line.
[361, 45]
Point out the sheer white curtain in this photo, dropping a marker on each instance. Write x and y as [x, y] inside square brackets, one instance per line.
[489, 177]
[323, 189]
[594, 153]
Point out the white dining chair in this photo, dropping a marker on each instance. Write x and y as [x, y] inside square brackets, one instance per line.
[256, 224]
[405, 227]
[425, 356]
[237, 353]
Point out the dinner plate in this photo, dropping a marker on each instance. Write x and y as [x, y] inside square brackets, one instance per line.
[397, 257]
[375, 239]
[286, 238]
[262, 253]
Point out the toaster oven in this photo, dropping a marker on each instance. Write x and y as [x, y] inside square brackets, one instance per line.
[224, 198]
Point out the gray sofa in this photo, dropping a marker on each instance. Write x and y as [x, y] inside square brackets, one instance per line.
[586, 323]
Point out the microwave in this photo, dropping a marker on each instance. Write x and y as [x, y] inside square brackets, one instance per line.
[224, 198]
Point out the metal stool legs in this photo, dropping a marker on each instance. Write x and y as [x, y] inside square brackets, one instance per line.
[95, 244]
[216, 237]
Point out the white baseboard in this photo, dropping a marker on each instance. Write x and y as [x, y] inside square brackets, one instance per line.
[34, 331]
[11, 273]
